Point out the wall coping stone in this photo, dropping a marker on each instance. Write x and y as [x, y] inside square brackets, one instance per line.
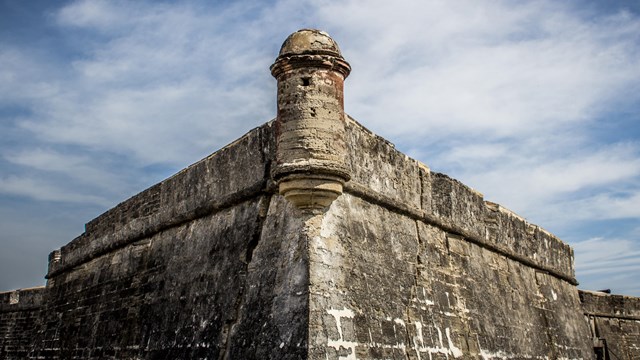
[21, 299]
[109, 231]
[601, 304]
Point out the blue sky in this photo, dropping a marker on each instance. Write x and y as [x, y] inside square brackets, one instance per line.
[534, 104]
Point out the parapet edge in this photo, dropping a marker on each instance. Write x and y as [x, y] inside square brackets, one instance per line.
[236, 172]
[21, 299]
[602, 304]
[406, 185]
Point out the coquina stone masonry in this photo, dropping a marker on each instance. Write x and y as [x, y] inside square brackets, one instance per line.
[614, 321]
[20, 312]
[310, 237]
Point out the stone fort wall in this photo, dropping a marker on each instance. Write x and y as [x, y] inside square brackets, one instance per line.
[406, 264]
[410, 264]
[312, 238]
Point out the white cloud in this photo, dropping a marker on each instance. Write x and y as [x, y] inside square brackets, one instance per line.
[163, 124]
[83, 169]
[95, 14]
[608, 264]
[555, 191]
[607, 205]
[43, 190]
[482, 68]
[23, 77]
[176, 82]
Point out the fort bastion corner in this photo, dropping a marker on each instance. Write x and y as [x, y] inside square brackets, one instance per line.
[310, 237]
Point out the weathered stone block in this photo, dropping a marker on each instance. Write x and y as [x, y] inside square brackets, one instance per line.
[377, 165]
[457, 204]
[515, 236]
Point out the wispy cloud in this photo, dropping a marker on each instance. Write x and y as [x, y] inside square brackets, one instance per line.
[533, 183]
[608, 263]
[162, 81]
[486, 69]
[82, 168]
[45, 191]
[98, 14]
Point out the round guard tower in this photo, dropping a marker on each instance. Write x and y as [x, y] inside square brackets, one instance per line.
[311, 152]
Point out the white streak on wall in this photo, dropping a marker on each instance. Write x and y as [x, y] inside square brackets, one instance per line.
[337, 344]
[419, 346]
[439, 336]
[425, 301]
[456, 352]
[418, 326]
[487, 355]
[418, 336]
[338, 315]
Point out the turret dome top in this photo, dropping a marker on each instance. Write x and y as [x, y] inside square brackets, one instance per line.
[309, 41]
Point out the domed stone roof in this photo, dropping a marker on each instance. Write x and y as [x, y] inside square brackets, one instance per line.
[309, 41]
